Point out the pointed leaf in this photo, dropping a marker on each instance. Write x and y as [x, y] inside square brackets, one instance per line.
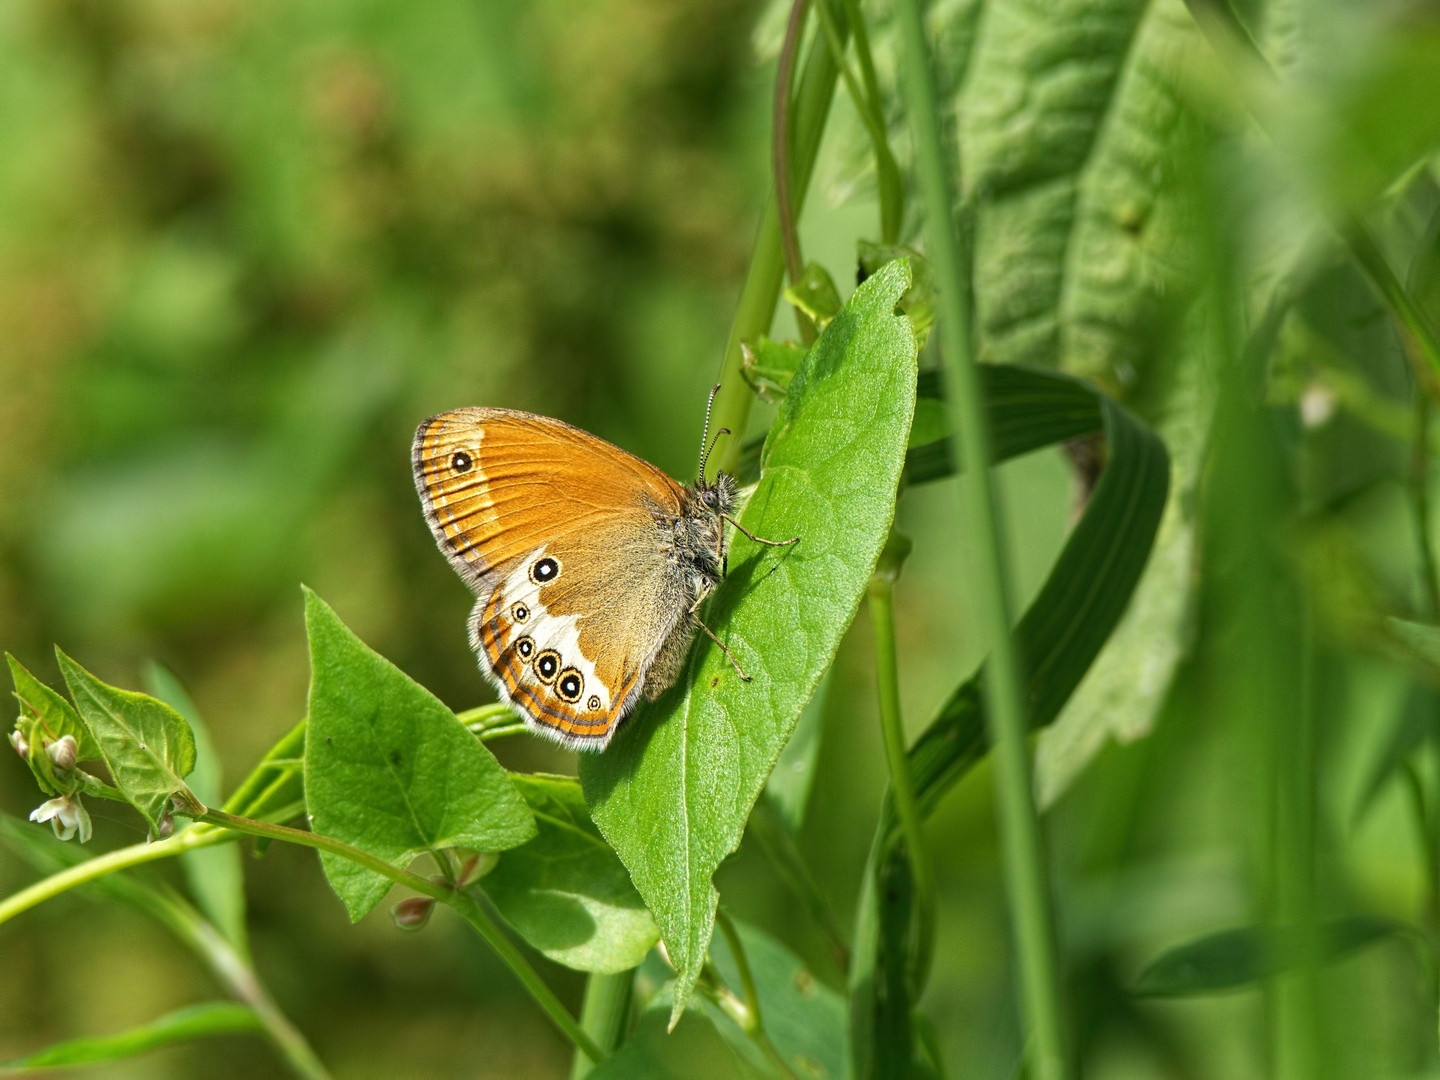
[58, 715]
[214, 873]
[191, 1022]
[391, 770]
[566, 891]
[673, 792]
[1250, 954]
[147, 745]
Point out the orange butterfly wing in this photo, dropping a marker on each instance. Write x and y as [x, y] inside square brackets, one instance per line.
[561, 535]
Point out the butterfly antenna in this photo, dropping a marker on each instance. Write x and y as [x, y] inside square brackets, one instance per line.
[705, 435]
[705, 460]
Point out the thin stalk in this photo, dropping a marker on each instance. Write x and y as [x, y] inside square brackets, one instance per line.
[887, 172]
[1429, 843]
[240, 980]
[902, 787]
[1420, 502]
[1025, 871]
[603, 1015]
[779, 847]
[463, 904]
[784, 90]
[190, 839]
[751, 1021]
[763, 282]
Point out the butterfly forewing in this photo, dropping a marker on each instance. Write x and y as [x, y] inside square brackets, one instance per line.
[555, 530]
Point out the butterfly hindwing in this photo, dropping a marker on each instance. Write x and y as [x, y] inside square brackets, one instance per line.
[556, 531]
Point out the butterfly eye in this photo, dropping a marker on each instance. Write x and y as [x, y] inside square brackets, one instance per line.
[546, 569]
[461, 461]
[570, 685]
[525, 647]
[593, 704]
[708, 498]
[547, 665]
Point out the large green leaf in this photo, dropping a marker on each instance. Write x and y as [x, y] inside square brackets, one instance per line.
[1059, 637]
[214, 874]
[147, 745]
[1069, 124]
[692, 1051]
[389, 769]
[565, 891]
[191, 1022]
[673, 792]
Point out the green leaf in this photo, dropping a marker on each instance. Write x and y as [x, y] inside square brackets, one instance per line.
[693, 1051]
[46, 716]
[1251, 954]
[278, 781]
[804, 1018]
[1070, 128]
[191, 1022]
[919, 300]
[673, 792]
[147, 745]
[815, 294]
[214, 874]
[1421, 641]
[768, 366]
[566, 891]
[1060, 634]
[1417, 722]
[390, 770]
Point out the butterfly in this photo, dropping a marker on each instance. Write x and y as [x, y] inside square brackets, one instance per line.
[588, 564]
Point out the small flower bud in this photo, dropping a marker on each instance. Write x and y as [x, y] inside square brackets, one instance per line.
[166, 826]
[414, 913]
[476, 867]
[63, 753]
[18, 742]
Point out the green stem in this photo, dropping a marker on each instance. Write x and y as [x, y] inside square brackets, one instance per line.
[461, 901]
[751, 1021]
[784, 89]
[887, 173]
[240, 980]
[1420, 502]
[290, 746]
[1025, 871]
[756, 310]
[189, 839]
[603, 1015]
[902, 786]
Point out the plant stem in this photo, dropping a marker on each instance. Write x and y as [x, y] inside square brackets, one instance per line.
[461, 901]
[784, 88]
[291, 745]
[240, 980]
[902, 787]
[1025, 870]
[603, 1015]
[756, 310]
[189, 839]
[751, 1021]
[887, 173]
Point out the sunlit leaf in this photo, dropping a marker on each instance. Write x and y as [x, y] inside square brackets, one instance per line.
[673, 792]
[566, 891]
[147, 745]
[390, 770]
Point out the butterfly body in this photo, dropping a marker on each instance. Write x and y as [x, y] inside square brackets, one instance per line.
[587, 563]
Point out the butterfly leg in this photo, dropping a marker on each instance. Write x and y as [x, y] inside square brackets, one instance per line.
[733, 662]
[758, 540]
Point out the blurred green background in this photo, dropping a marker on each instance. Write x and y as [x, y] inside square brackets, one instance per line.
[246, 247]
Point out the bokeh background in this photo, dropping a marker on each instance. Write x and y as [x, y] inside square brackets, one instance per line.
[246, 247]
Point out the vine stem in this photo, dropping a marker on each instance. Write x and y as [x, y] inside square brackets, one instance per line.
[892, 725]
[462, 902]
[1025, 871]
[603, 1015]
[750, 1019]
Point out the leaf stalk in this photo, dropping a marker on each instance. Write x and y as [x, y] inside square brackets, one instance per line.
[1025, 871]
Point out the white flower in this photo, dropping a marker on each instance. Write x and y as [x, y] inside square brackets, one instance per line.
[18, 742]
[66, 815]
